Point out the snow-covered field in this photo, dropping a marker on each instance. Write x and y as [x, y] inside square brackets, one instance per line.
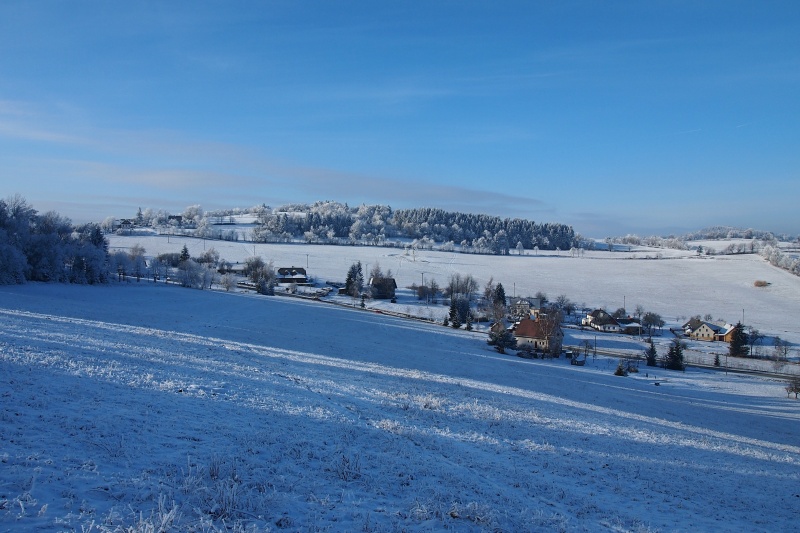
[132, 407]
[677, 286]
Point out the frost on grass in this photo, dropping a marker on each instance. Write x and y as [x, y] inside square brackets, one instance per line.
[214, 419]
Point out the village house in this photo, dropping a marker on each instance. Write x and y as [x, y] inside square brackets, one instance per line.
[706, 331]
[525, 308]
[124, 224]
[520, 308]
[542, 334]
[294, 275]
[629, 326]
[601, 321]
[382, 288]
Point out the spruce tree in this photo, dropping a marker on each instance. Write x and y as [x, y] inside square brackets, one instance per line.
[502, 340]
[651, 355]
[184, 254]
[455, 319]
[738, 346]
[499, 295]
[674, 360]
[355, 280]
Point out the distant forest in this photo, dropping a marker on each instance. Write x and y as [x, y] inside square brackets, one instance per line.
[337, 223]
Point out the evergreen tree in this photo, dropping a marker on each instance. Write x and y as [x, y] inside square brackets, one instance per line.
[499, 295]
[184, 254]
[651, 355]
[738, 346]
[355, 280]
[469, 322]
[716, 360]
[502, 340]
[455, 319]
[674, 359]
[265, 285]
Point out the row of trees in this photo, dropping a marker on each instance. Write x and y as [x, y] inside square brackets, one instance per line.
[757, 240]
[337, 223]
[47, 247]
[672, 360]
[501, 234]
[780, 259]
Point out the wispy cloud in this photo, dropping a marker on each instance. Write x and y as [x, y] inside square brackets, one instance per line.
[313, 182]
[165, 165]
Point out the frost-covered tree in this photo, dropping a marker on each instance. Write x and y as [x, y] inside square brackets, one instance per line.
[13, 265]
[354, 282]
[137, 261]
[48, 247]
[191, 274]
[193, 214]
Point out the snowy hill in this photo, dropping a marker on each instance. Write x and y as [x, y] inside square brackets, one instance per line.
[147, 407]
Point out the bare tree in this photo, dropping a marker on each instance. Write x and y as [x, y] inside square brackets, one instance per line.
[781, 350]
[754, 338]
[137, 261]
[228, 281]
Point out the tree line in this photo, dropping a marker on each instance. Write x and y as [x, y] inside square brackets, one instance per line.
[337, 223]
[329, 222]
[48, 247]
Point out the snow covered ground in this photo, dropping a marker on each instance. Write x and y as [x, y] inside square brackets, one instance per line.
[677, 286]
[132, 407]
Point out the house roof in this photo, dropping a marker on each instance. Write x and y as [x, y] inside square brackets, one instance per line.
[383, 281]
[535, 329]
[693, 325]
[292, 272]
[602, 318]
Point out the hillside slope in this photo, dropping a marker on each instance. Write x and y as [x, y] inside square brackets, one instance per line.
[138, 405]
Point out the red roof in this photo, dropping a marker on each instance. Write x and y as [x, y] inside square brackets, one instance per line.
[535, 329]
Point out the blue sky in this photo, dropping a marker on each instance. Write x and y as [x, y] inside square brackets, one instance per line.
[613, 117]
